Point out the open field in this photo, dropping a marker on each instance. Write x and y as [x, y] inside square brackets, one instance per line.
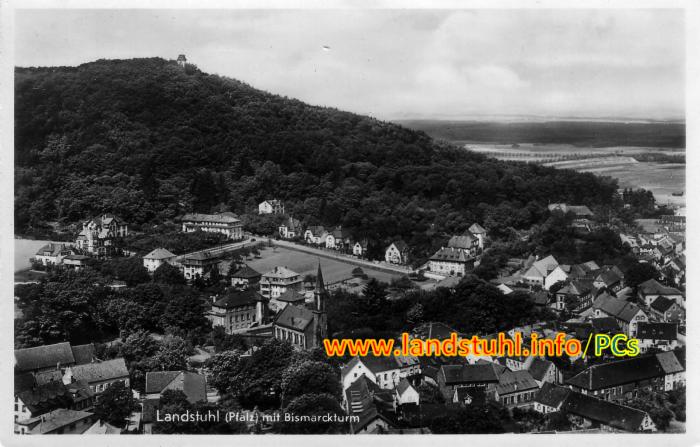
[305, 263]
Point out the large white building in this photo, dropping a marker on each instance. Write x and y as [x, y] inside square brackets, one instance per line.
[224, 223]
[98, 235]
[278, 281]
[271, 207]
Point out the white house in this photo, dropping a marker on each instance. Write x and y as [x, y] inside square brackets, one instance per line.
[315, 235]
[271, 207]
[360, 248]
[278, 281]
[539, 270]
[397, 253]
[405, 393]
[386, 372]
[224, 223]
[53, 254]
[480, 233]
[290, 228]
[556, 275]
[628, 315]
[156, 258]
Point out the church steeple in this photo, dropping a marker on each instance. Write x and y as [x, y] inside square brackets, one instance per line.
[320, 317]
[319, 290]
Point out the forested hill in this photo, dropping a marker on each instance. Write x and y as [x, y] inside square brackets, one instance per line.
[148, 140]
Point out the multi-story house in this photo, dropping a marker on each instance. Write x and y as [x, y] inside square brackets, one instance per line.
[650, 290]
[397, 253]
[338, 239]
[386, 372]
[359, 249]
[224, 223]
[315, 235]
[290, 229]
[98, 375]
[278, 281]
[449, 261]
[53, 254]
[199, 264]
[273, 206]
[238, 311]
[516, 389]
[156, 258]
[99, 236]
[627, 314]
[536, 273]
[482, 375]
[666, 310]
[661, 336]
[245, 277]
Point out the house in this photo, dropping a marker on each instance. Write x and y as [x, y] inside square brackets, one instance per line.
[449, 261]
[225, 223]
[405, 394]
[39, 399]
[338, 239]
[303, 327]
[199, 265]
[290, 228]
[368, 403]
[544, 371]
[480, 233]
[650, 290]
[397, 253]
[102, 428]
[315, 235]
[57, 422]
[99, 235]
[386, 372]
[666, 310]
[576, 295]
[550, 398]
[609, 278]
[245, 277]
[469, 396]
[156, 258]
[98, 375]
[278, 281]
[539, 270]
[76, 262]
[587, 411]
[627, 314]
[516, 389]
[273, 206]
[663, 336]
[359, 249]
[466, 242]
[673, 364]
[621, 380]
[193, 385]
[482, 375]
[582, 214]
[238, 311]
[53, 254]
[289, 297]
[559, 274]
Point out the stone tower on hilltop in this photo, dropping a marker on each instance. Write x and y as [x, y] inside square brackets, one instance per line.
[181, 60]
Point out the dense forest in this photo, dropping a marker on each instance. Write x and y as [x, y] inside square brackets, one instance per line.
[149, 140]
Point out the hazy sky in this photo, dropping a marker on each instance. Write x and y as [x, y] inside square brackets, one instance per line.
[399, 63]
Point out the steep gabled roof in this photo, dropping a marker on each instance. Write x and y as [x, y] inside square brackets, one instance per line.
[291, 296]
[159, 253]
[620, 309]
[46, 397]
[45, 356]
[670, 362]
[401, 246]
[464, 242]
[83, 353]
[238, 298]
[95, 372]
[477, 229]
[246, 272]
[662, 304]
[449, 254]
[543, 267]
[617, 373]
[539, 367]
[192, 384]
[294, 317]
[552, 395]
[608, 413]
[515, 382]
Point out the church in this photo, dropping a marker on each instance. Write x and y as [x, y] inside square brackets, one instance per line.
[304, 326]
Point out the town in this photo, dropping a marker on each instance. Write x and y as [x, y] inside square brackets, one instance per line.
[189, 322]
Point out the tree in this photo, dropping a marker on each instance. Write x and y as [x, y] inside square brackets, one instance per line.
[224, 368]
[115, 404]
[259, 382]
[184, 315]
[320, 377]
[640, 272]
[321, 406]
[129, 270]
[489, 418]
[171, 355]
[168, 274]
[654, 403]
[226, 342]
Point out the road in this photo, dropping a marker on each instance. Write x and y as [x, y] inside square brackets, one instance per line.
[221, 249]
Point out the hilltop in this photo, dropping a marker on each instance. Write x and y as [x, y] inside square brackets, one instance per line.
[149, 140]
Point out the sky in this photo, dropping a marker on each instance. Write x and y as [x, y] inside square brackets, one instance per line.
[400, 64]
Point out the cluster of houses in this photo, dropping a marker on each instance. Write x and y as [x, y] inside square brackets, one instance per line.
[394, 394]
[661, 243]
[57, 386]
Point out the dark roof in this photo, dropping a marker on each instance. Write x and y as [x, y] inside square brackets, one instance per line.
[45, 356]
[43, 377]
[291, 296]
[360, 396]
[192, 384]
[539, 367]
[671, 361]
[605, 325]
[457, 374]
[148, 409]
[609, 277]
[620, 309]
[401, 246]
[24, 381]
[662, 304]
[436, 330]
[450, 255]
[54, 420]
[83, 353]
[465, 241]
[515, 382]
[294, 317]
[617, 373]
[552, 395]
[97, 372]
[47, 397]
[653, 287]
[159, 253]
[246, 272]
[608, 413]
[657, 331]
[239, 298]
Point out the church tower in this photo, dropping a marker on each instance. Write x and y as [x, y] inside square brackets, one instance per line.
[320, 317]
[182, 60]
